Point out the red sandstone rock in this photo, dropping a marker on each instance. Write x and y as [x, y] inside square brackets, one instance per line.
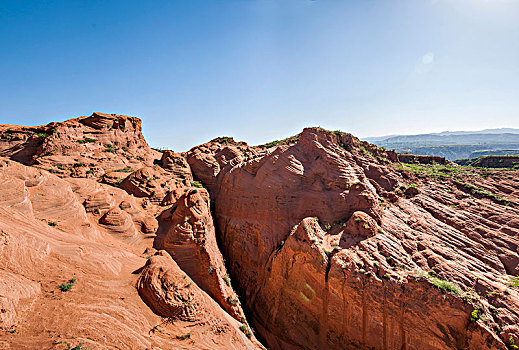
[367, 273]
[332, 244]
[186, 231]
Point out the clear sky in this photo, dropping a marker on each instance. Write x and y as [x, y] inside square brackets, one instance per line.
[261, 70]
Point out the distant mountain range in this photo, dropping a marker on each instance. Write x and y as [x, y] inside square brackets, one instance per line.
[453, 144]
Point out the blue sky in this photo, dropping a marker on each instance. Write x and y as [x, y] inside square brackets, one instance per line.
[262, 70]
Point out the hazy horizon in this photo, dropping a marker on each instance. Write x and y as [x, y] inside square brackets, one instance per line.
[263, 70]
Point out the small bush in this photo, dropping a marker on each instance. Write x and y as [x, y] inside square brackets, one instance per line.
[474, 316]
[109, 148]
[65, 287]
[515, 282]
[52, 223]
[196, 184]
[42, 135]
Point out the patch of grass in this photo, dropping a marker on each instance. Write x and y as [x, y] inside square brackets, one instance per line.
[118, 183]
[65, 287]
[514, 282]
[86, 140]
[42, 135]
[437, 171]
[484, 193]
[445, 285]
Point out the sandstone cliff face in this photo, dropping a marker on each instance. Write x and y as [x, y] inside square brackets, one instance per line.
[372, 262]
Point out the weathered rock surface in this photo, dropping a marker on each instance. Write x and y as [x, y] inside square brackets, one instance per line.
[331, 242]
[186, 231]
[384, 265]
[80, 147]
[172, 294]
[70, 246]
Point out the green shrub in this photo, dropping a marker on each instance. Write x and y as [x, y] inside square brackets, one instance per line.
[42, 135]
[86, 140]
[184, 337]
[109, 148]
[65, 287]
[515, 282]
[196, 184]
[445, 285]
[474, 315]
[52, 223]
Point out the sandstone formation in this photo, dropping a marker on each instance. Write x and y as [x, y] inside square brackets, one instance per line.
[186, 231]
[72, 243]
[330, 242]
[338, 288]
[81, 147]
[170, 293]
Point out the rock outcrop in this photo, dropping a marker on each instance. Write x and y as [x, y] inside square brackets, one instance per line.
[80, 147]
[172, 294]
[186, 231]
[375, 249]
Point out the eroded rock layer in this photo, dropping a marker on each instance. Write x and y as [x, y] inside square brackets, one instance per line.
[332, 242]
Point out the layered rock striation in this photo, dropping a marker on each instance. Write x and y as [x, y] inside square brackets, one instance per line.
[330, 246]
